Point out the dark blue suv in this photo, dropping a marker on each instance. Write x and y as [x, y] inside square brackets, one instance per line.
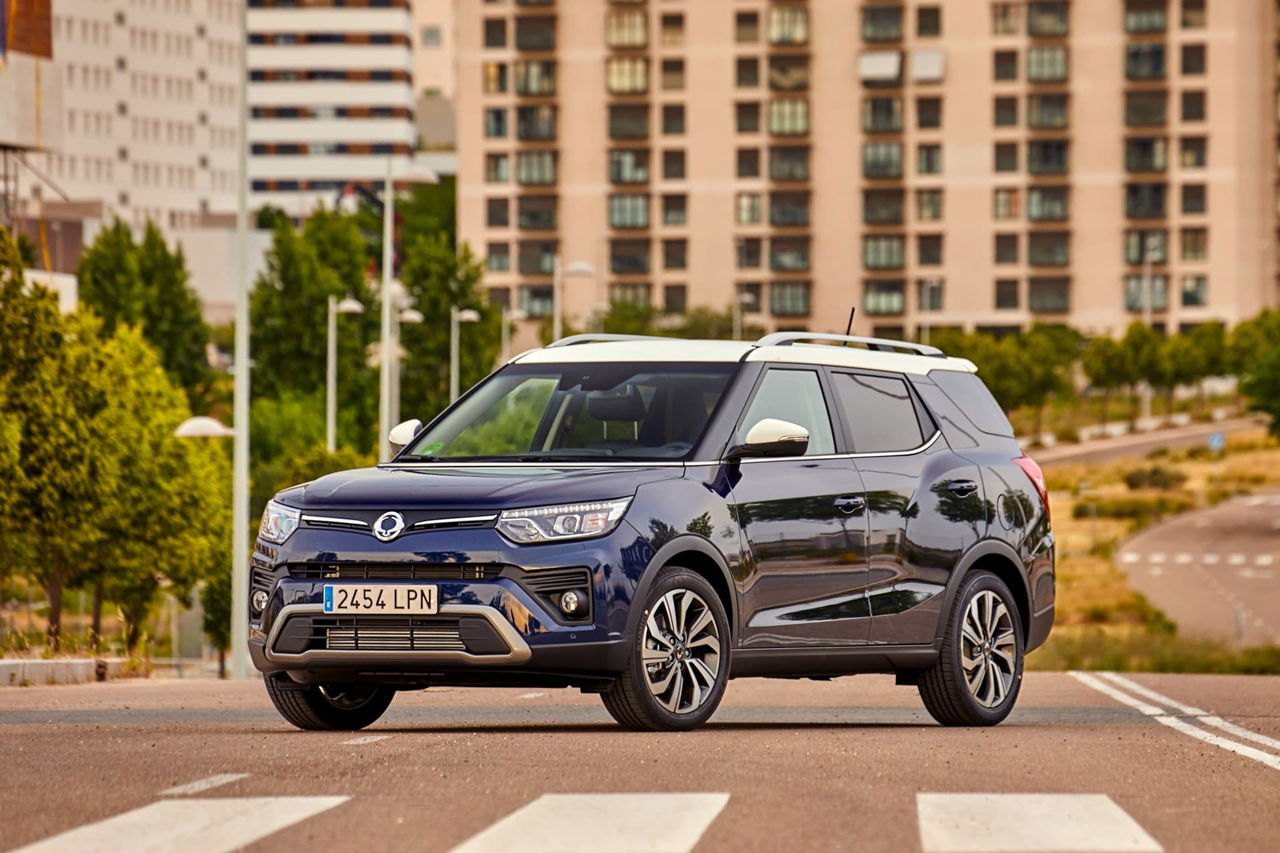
[648, 518]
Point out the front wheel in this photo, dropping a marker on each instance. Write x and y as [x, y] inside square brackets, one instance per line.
[976, 679]
[679, 662]
[342, 707]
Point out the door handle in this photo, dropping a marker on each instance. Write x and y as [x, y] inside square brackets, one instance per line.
[851, 505]
[963, 488]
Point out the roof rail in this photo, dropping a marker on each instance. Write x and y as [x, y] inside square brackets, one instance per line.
[594, 338]
[786, 339]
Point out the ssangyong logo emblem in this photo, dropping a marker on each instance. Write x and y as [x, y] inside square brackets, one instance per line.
[388, 526]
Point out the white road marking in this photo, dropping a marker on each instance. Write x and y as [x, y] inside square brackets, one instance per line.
[1045, 823]
[1256, 500]
[1148, 693]
[1130, 557]
[1186, 728]
[1155, 571]
[1123, 698]
[203, 784]
[1210, 559]
[1241, 732]
[210, 826]
[1182, 559]
[361, 741]
[585, 823]
[531, 695]
[1256, 574]
[1157, 557]
[1237, 559]
[1263, 560]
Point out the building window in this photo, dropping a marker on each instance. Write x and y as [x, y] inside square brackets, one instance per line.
[673, 119]
[881, 23]
[789, 254]
[673, 75]
[881, 114]
[748, 162]
[881, 252]
[748, 209]
[1047, 204]
[746, 27]
[536, 212]
[674, 254]
[748, 117]
[928, 112]
[1194, 152]
[1193, 59]
[498, 257]
[1049, 249]
[629, 165]
[1145, 154]
[1047, 18]
[929, 250]
[1146, 245]
[674, 210]
[1195, 244]
[535, 167]
[882, 207]
[749, 294]
[789, 163]
[673, 164]
[788, 209]
[1004, 203]
[1047, 64]
[495, 122]
[627, 75]
[929, 159]
[628, 121]
[499, 297]
[1144, 109]
[1195, 291]
[497, 168]
[788, 25]
[675, 299]
[631, 293]
[1047, 111]
[1005, 18]
[789, 299]
[929, 294]
[750, 253]
[1006, 294]
[1193, 198]
[1006, 157]
[1006, 112]
[928, 205]
[1047, 157]
[537, 77]
[495, 32]
[1193, 17]
[789, 116]
[747, 73]
[1193, 106]
[1006, 248]
[498, 212]
[882, 159]
[537, 257]
[536, 33]
[1137, 287]
[1049, 295]
[537, 300]
[884, 297]
[672, 30]
[495, 78]
[929, 21]
[1144, 16]
[629, 210]
[1006, 65]
[629, 257]
[536, 123]
[788, 73]
[1144, 201]
[1144, 61]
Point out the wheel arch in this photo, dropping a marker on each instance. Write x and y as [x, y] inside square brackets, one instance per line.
[998, 558]
[697, 555]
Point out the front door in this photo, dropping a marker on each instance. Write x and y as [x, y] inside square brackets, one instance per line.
[803, 524]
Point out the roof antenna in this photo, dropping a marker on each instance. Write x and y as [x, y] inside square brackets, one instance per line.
[848, 330]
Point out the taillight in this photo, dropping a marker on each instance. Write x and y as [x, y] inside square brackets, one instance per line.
[1036, 476]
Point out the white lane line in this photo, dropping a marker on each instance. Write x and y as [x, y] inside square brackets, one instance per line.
[1255, 501]
[531, 695]
[586, 823]
[1146, 692]
[1182, 559]
[203, 784]
[1046, 823]
[1263, 560]
[1123, 698]
[210, 826]
[1272, 761]
[1155, 571]
[1210, 559]
[1241, 732]
[1157, 557]
[1237, 559]
[361, 741]
[1130, 557]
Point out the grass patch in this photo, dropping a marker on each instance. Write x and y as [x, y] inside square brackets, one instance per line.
[1126, 648]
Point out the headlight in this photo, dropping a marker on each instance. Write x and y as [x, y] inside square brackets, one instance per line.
[278, 522]
[556, 523]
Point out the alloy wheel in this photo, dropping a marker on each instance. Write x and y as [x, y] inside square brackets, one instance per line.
[988, 649]
[681, 648]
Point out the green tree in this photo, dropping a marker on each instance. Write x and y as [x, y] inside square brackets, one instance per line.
[1181, 363]
[1103, 364]
[1141, 348]
[109, 280]
[1262, 383]
[1046, 354]
[171, 318]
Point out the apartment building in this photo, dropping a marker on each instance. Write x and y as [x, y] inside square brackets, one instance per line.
[944, 163]
[433, 73]
[331, 97]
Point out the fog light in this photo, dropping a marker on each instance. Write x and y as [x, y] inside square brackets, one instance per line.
[573, 603]
[259, 600]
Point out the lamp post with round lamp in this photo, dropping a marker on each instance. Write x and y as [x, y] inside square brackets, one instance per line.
[336, 307]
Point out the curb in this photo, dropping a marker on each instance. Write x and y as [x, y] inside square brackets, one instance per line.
[21, 673]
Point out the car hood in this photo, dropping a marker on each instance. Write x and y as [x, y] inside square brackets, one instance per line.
[448, 487]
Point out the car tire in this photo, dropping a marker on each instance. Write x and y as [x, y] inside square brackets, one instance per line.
[679, 663]
[333, 707]
[976, 679]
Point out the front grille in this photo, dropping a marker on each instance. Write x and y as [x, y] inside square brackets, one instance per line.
[390, 635]
[395, 571]
[557, 580]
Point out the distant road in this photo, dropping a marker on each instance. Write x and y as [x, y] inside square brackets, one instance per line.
[1086, 762]
[1140, 444]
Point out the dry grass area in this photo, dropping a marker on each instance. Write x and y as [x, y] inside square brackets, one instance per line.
[1102, 623]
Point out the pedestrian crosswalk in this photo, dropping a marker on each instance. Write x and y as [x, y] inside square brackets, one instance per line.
[988, 823]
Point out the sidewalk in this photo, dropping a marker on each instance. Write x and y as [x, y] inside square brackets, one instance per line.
[1141, 443]
[22, 672]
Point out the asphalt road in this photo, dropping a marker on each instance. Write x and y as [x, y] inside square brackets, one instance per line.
[1088, 762]
[1216, 572]
[1140, 444]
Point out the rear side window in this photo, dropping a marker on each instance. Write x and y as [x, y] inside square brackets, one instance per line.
[795, 396]
[973, 398]
[880, 413]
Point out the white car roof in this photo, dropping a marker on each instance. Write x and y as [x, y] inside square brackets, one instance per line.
[637, 349]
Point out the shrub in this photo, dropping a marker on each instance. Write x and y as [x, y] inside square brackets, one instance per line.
[1137, 509]
[1155, 477]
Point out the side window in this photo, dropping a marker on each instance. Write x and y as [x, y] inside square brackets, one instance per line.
[795, 396]
[973, 397]
[880, 412]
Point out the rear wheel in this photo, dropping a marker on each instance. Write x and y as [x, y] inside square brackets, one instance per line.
[343, 707]
[679, 662]
[979, 670]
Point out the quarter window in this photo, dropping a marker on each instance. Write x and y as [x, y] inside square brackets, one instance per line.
[879, 413]
[794, 396]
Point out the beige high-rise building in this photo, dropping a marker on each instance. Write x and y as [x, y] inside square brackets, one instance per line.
[957, 163]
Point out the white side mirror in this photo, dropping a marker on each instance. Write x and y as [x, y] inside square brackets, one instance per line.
[773, 437]
[403, 433]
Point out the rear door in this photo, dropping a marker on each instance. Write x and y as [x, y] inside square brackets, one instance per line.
[925, 504]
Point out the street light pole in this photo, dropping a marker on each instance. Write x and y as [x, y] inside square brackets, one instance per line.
[1148, 250]
[388, 333]
[457, 316]
[240, 403]
[346, 306]
[556, 307]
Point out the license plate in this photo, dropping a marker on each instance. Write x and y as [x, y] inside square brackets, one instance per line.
[379, 598]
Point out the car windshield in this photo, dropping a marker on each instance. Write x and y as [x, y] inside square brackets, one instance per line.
[580, 412]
